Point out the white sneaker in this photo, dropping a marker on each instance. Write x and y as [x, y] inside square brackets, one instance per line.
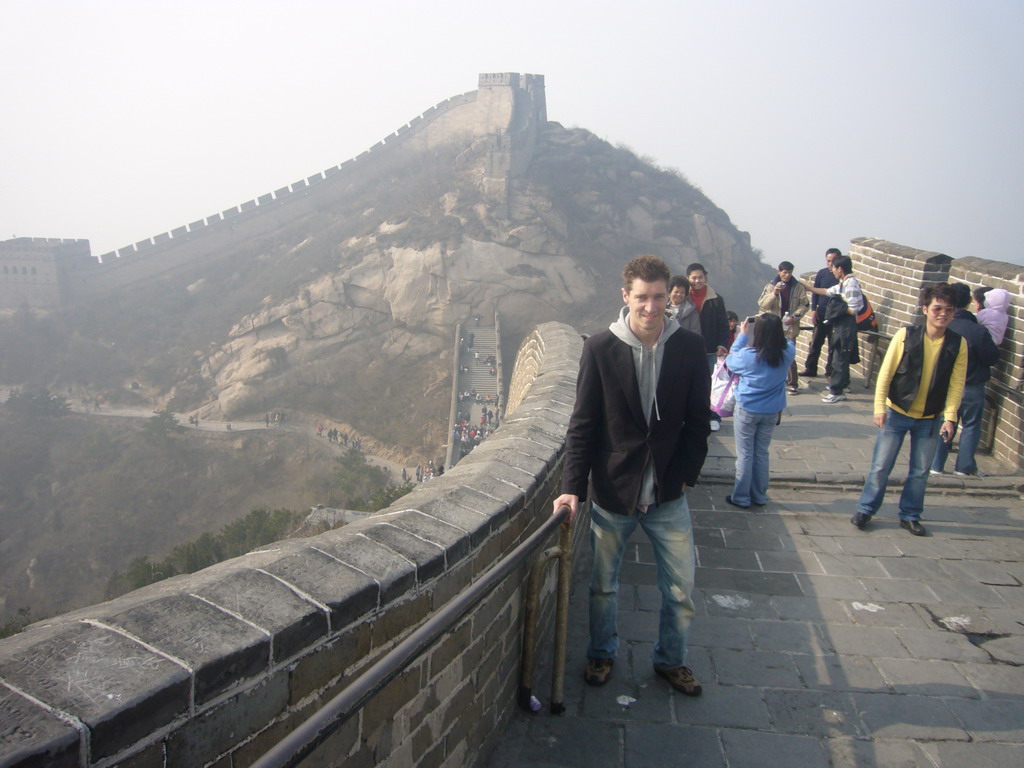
[934, 472]
[979, 473]
[715, 425]
[833, 398]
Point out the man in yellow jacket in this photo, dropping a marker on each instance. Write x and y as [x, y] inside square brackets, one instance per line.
[918, 392]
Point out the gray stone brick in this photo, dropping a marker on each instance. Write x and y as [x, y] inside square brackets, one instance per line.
[748, 581]
[715, 557]
[724, 707]
[294, 624]
[32, 736]
[937, 644]
[840, 673]
[966, 592]
[850, 565]
[814, 609]
[897, 716]
[756, 668]
[824, 714]
[884, 614]
[395, 574]
[990, 720]
[866, 641]
[656, 746]
[721, 632]
[790, 636]
[69, 667]
[831, 586]
[766, 542]
[954, 754]
[790, 562]
[427, 556]
[567, 741]
[926, 678]
[861, 753]
[1006, 649]
[898, 590]
[348, 593]
[997, 681]
[450, 538]
[751, 749]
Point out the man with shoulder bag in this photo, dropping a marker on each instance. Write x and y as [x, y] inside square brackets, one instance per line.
[846, 303]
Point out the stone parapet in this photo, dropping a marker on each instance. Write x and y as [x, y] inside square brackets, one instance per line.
[215, 667]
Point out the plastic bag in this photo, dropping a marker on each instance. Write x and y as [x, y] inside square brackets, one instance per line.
[723, 389]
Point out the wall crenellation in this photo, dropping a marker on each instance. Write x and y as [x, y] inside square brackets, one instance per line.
[297, 186]
[205, 237]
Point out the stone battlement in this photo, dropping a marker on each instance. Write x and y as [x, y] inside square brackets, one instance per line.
[217, 666]
[507, 104]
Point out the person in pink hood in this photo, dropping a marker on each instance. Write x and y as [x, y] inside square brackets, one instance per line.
[993, 306]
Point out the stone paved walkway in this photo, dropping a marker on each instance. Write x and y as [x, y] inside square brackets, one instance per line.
[817, 644]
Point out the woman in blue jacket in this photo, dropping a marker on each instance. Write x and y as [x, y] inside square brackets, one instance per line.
[760, 397]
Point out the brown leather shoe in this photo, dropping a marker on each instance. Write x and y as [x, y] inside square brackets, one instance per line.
[598, 671]
[680, 678]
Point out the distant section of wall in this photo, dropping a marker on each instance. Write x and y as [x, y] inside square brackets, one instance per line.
[216, 667]
[34, 271]
[893, 275]
[506, 107]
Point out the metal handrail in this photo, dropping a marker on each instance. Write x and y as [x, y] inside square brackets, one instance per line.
[563, 553]
[301, 742]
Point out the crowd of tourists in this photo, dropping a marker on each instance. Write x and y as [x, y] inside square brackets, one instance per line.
[645, 407]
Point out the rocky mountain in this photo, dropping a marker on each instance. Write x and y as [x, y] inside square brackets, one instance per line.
[347, 310]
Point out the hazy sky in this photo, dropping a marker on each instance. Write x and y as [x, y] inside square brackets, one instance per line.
[809, 123]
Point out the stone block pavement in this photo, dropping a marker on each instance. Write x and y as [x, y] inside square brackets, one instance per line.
[817, 644]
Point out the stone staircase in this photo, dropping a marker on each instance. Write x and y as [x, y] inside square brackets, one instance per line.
[479, 378]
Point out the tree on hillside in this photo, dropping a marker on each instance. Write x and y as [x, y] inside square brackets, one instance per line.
[39, 404]
[361, 485]
[161, 426]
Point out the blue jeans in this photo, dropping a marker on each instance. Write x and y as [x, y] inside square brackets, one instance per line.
[971, 407]
[753, 435]
[668, 527]
[924, 433]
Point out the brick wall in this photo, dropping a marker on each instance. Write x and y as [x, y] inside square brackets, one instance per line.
[213, 668]
[892, 276]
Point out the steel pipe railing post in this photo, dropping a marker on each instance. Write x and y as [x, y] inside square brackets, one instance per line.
[563, 553]
[561, 618]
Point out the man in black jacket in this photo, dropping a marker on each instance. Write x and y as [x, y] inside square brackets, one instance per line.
[638, 434]
[822, 331]
[982, 353]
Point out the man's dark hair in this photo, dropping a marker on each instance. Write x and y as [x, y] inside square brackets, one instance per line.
[845, 263]
[695, 266]
[961, 295]
[769, 339]
[941, 291]
[679, 281]
[834, 252]
[730, 315]
[979, 294]
[648, 268]
[786, 265]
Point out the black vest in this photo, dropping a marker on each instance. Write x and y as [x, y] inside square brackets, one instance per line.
[907, 380]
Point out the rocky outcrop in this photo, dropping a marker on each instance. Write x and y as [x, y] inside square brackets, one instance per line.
[399, 287]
